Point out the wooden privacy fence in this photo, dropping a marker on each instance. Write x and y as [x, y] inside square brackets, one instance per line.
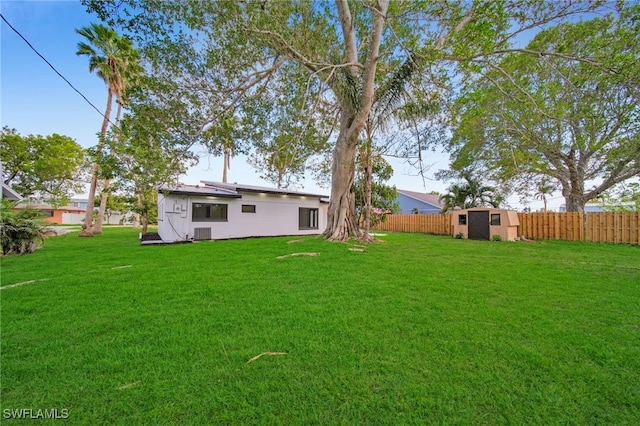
[602, 227]
[438, 224]
[605, 227]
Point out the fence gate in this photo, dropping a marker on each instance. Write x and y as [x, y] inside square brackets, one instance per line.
[478, 225]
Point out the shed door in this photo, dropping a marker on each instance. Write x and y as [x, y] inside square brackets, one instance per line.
[479, 225]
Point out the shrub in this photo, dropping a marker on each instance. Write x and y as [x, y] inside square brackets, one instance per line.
[496, 238]
[20, 232]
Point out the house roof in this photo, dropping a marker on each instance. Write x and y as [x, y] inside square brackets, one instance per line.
[260, 189]
[9, 193]
[204, 191]
[228, 190]
[425, 198]
[71, 209]
[40, 206]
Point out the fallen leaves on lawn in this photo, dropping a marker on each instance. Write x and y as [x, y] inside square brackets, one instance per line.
[24, 282]
[265, 353]
[298, 254]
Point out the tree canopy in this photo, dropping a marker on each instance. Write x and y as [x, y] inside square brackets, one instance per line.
[571, 116]
[47, 167]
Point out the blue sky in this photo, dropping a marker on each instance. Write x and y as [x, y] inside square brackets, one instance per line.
[34, 98]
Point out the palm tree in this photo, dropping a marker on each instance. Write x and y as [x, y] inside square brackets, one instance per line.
[21, 232]
[108, 55]
[130, 72]
[455, 198]
[468, 194]
[544, 189]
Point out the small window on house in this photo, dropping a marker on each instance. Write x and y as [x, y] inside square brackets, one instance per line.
[462, 219]
[307, 218]
[495, 219]
[203, 212]
[248, 208]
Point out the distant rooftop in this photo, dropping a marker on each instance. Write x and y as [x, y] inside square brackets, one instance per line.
[432, 199]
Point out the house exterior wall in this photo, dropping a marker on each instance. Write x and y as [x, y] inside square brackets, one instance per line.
[508, 228]
[407, 204]
[52, 216]
[72, 218]
[67, 216]
[274, 215]
[58, 216]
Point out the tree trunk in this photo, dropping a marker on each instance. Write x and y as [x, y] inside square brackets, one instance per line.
[368, 185]
[573, 187]
[226, 165]
[135, 224]
[145, 224]
[574, 202]
[341, 216]
[97, 229]
[136, 216]
[87, 227]
[573, 193]
[280, 177]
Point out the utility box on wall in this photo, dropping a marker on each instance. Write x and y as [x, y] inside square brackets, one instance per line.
[485, 223]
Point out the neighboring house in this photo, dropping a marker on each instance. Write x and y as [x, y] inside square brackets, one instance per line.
[9, 193]
[78, 202]
[110, 217]
[418, 202]
[215, 211]
[600, 207]
[63, 215]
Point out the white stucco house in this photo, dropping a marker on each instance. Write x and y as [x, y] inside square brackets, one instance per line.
[214, 211]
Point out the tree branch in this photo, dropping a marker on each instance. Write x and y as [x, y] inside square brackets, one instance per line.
[348, 32]
[368, 92]
[465, 20]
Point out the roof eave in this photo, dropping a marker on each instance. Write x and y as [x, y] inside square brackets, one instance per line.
[200, 194]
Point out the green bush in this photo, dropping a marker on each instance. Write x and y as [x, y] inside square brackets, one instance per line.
[496, 238]
[21, 232]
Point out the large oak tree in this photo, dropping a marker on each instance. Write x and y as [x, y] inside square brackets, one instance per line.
[48, 167]
[551, 117]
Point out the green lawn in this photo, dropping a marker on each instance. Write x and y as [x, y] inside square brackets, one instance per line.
[421, 329]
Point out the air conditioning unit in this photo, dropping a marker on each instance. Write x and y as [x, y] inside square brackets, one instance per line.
[200, 234]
